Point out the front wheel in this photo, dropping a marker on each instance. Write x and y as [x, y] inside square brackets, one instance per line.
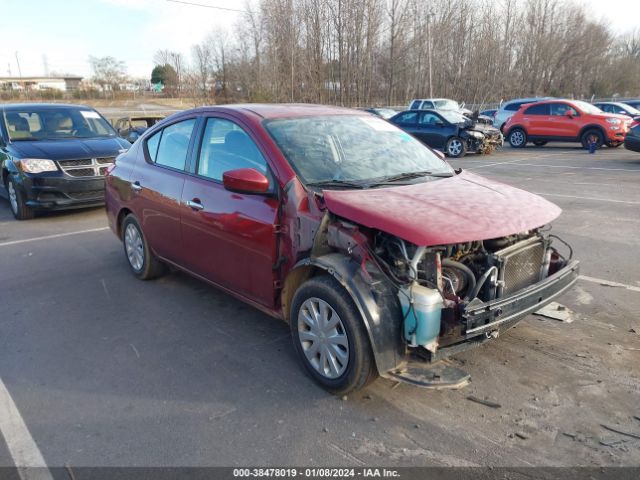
[329, 336]
[19, 208]
[517, 138]
[455, 147]
[142, 261]
[592, 137]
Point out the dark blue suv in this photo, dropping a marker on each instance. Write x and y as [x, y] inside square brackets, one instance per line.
[54, 156]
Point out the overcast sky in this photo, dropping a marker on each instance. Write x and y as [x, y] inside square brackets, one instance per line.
[68, 31]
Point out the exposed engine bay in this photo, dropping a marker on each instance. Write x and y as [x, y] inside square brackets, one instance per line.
[437, 284]
[481, 269]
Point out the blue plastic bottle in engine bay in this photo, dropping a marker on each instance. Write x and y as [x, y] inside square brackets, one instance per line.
[422, 311]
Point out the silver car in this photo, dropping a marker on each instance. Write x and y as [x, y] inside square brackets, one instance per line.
[507, 109]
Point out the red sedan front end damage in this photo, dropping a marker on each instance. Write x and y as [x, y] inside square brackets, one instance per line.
[468, 259]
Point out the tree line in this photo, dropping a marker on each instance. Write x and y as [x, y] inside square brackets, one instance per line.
[376, 52]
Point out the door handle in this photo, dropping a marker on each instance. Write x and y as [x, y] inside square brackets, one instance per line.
[135, 186]
[195, 204]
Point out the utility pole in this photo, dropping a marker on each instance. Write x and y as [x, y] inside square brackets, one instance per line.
[430, 15]
[18, 62]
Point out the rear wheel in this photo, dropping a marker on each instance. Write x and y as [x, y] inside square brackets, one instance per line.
[540, 143]
[142, 261]
[329, 336]
[517, 138]
[17, 203]
[455, 147]
[592, 136]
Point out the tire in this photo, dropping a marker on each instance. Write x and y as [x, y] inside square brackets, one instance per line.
[455, 148]
[141, 260]
[353, 366]
[592, 135]
[20, 210]
[517, 138]
[540, 143]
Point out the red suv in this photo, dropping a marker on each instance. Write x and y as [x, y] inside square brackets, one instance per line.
[379, 267]
[565, 121]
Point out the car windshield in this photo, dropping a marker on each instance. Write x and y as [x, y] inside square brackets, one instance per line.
[46, 123]
[446, 104]
[587, 107]
[453, 117]
[350, 148]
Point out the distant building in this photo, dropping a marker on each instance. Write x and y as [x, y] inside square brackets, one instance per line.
[63, 84]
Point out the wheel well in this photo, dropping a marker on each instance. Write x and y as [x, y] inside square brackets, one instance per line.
[121, 216]
[294, 279]
[594, 127]
[516, 127]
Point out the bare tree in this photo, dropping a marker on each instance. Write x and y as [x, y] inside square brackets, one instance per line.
[108, 72]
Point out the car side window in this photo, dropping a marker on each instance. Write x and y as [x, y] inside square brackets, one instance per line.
[408, 118]
[513, 107]
[173, 144]
[428, 118]
[542, 109]
[226, 146]
[152, 145]
[561, 109]
[415, 105]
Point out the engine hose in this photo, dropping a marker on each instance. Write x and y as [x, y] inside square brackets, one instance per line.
[447, 262]
[480, 283]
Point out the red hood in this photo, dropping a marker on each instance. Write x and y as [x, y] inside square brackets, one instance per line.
[459, 209]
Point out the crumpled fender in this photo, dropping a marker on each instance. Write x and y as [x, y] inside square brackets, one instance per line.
[378, 304]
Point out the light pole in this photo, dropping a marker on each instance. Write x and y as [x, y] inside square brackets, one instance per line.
[429, 16]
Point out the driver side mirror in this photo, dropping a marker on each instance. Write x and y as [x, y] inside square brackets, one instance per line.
[568, 113]
[439, 123]
[245, 180]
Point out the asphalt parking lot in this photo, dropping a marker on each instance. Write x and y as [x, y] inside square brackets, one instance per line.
[106, 370]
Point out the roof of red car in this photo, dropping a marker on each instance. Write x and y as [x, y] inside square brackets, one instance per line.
[287, 110]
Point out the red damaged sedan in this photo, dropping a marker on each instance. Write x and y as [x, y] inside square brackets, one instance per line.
[381, 257]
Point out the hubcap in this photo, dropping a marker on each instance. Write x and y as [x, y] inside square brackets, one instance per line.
[455, 147]
[133, 246]
[13, 197]
[323, 338]
[517, 138]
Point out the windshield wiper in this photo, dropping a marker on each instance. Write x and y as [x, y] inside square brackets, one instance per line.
[407, 176]
[336, 183]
